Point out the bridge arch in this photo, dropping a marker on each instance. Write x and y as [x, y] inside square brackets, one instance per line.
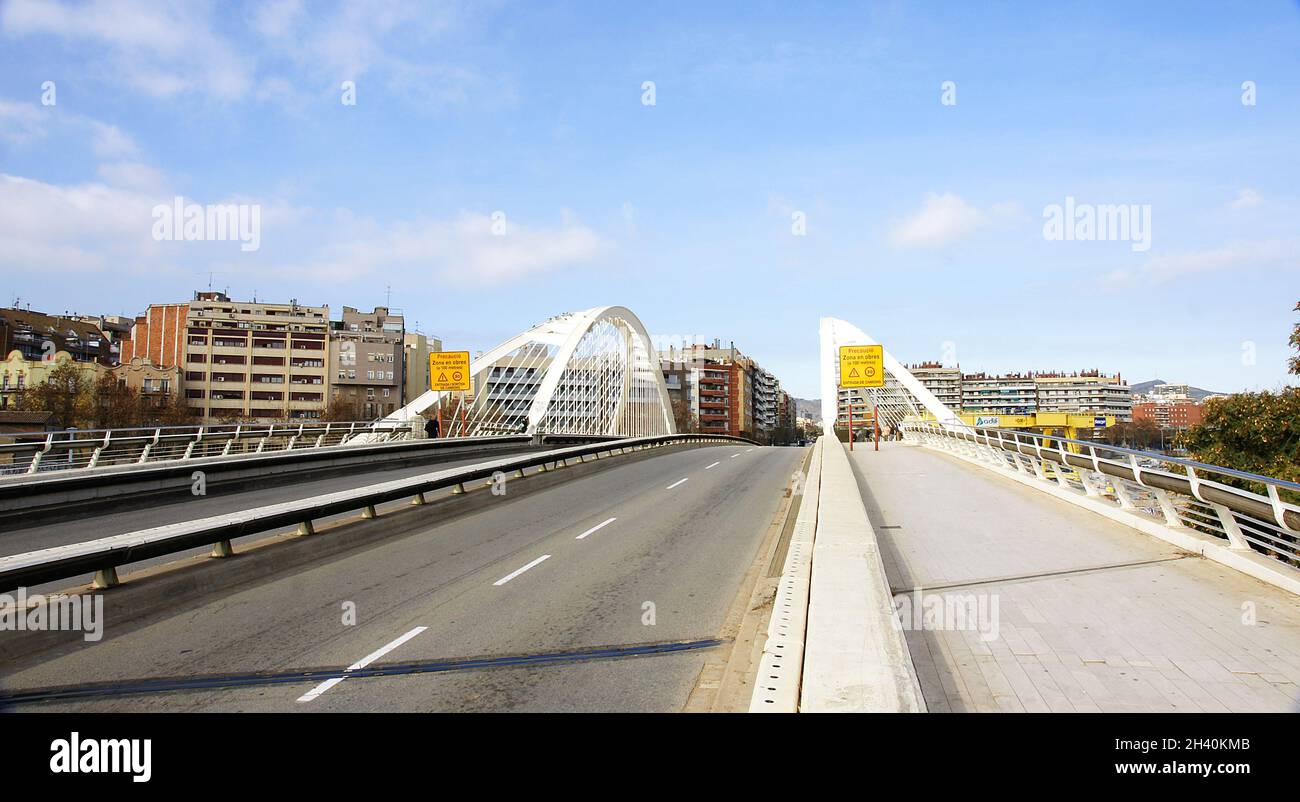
[903, 395]
[593, 372]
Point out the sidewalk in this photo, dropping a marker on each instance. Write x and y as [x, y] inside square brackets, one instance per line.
[1070, 611]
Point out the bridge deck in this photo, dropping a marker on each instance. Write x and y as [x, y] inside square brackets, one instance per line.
[1094, 616]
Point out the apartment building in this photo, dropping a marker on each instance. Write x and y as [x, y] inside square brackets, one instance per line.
[18, 373]
[1169, 414]
[255, 361]
[155, 385]
[416, 350]
[766, 387]
[1012, 394]
[1089, 392]
[368, 361]
[944, 383]
[722, 390]
[36, 336]
[158, 336]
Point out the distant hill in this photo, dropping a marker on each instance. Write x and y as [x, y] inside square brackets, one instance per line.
[1196, 393]
[808, 408]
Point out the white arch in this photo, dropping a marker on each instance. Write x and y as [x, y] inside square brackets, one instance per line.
[591, 372]
[896, 399]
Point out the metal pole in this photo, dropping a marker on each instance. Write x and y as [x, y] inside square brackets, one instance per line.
[850, 422]
[875, 421]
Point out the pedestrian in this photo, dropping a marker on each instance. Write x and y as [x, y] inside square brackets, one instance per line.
[431, 427]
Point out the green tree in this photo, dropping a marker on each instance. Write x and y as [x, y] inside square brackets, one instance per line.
[115, 405]
[1253, 432]
[66, 394]
[1293, 364]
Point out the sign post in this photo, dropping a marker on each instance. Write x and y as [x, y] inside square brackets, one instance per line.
[449, 373]
[862, 366]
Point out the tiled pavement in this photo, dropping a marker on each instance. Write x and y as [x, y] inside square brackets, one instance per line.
[1091, 615]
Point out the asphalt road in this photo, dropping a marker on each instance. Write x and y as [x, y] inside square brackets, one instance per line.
[641, 551]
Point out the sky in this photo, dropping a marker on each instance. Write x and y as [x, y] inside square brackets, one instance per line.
[724, 170]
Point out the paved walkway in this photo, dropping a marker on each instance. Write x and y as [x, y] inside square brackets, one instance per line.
[1090, 614]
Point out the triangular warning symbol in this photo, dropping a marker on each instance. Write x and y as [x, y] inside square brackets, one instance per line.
[442, 377]
[853, 374]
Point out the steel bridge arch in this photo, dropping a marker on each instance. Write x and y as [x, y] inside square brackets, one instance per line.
[599, 375]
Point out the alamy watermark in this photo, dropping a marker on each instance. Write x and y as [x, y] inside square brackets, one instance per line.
[1087, 222]
[77, 755]
[217, 222]
[56, 612]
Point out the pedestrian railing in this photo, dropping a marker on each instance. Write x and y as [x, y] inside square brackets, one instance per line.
[79, 449]
[1247, 511]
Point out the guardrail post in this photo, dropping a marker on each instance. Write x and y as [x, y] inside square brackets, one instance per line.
[222, 548]
[1089, 484]
[1037, 464]
[106, 578]
[306, 528]
[1236, 538]
[369, 511]
[458, 490]
[1121, 494]
[418, 500]
[1167, 507]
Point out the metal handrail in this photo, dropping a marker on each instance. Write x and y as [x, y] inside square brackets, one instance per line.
[105, 555]
[72, 449]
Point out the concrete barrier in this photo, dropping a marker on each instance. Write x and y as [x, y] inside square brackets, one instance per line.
[855, 655]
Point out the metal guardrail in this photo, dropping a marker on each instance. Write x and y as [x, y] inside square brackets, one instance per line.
[104, 556]
[1214, 500]
[80, 449]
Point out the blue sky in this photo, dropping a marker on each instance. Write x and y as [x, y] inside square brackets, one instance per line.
[923, 220]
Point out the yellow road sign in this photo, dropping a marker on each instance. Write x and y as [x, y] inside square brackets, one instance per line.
[449, 370]
[862, 366]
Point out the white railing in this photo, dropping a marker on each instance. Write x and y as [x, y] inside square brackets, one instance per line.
[80, 449]
[1247, 511]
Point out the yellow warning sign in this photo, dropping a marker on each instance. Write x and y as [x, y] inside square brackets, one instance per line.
[449, 370]
[862, 366]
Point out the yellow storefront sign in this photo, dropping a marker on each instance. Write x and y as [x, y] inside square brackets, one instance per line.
[862, 366]
[449, 370]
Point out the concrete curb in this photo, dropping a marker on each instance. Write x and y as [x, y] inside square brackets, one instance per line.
[776, 685]
[855, 656]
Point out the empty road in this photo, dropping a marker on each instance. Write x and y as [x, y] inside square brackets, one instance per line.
[550, 587]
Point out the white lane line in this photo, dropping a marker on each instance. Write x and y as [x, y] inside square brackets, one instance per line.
[519, 571]
[737, 454]
[362, 663]
[675, 484]
[749, 449]
[600, 525]
[706, 467]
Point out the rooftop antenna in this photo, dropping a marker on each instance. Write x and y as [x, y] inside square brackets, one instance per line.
[388, 296]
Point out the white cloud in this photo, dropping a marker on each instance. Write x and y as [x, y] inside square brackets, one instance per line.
[110, 142]
[1247, 198]
[1265, 254]
[71, 229]
[942, 219]
[20, 123]
[462, 251]
[107, 226]
[1283, 255]
[160, 48]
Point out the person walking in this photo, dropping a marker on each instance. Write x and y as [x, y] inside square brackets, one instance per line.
[431, 428]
